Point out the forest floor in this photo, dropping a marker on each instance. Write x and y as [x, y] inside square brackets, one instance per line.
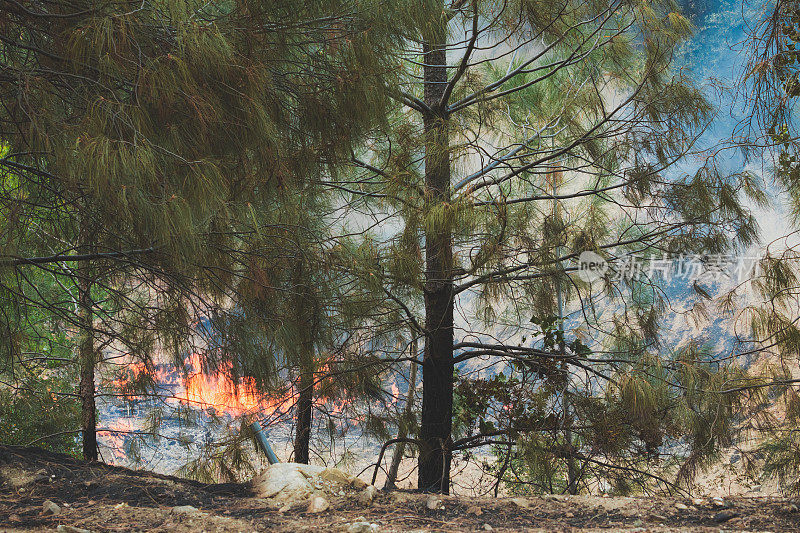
[101, 498]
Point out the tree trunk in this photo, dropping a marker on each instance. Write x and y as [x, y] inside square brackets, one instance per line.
[402, 432]
[304, 314]
[87, 358]
[437, 369]
[304, 409]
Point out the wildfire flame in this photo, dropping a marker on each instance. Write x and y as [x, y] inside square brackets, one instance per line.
[220, 392]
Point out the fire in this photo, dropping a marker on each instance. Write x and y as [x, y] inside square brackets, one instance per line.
[220, 392]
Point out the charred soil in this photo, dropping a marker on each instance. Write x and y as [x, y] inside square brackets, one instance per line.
[102, 498]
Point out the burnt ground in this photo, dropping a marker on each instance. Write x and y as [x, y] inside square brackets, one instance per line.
[102, 498]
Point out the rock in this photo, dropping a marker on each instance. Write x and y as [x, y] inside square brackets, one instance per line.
[719, 502]
[698, 501]
[186, 509]
[318, 504]
[521, 502]
[487, 527]
[334, 475]
[50, 508]
[724, 516]
[121, 505]
[286, 508]
[681, 507]
[434, 502]
[367, 495]
[569, 514]
[358, 483]
[72, 529]
[286, 481]
[474, 509]
[363, 527]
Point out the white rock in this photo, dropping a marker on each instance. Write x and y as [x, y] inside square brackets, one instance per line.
[369, 493]
[186, 509]
[681, 507]
[698, 501]
[72, 529]
[50, 508]
[363, 527]
[318, 504]
[286, 481]
[487, 527]
[433, 503]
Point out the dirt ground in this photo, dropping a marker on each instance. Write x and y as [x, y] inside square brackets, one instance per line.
[102, 498]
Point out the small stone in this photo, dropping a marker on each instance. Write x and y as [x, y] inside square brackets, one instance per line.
[434, 503]
[318, 504]
[367, 495]
[50, 508]
[698, 501]
[285, 508]
[724, 516]
[719, 502]
[363, 527]
[185, 509]
[681, 507]
[487, 527]
[521, 502]
[123, 505]
[474, 509]
[72, 529]
[569, 514]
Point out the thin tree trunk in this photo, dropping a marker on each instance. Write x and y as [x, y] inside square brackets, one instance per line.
[572, 470]
[437, 370]
[87, 358]
[304, 408]
[402, 432]
[305, 400]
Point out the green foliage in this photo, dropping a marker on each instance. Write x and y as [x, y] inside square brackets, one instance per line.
[40, 415]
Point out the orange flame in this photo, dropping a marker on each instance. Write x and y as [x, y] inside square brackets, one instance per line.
[220, 392]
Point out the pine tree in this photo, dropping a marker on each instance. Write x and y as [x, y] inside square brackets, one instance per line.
[497, 100]
[768, 135]
[143, 138]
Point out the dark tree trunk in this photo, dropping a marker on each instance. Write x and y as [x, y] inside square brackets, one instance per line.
[437, 369]
[304, 314]
[304, 408]
[87, 359]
